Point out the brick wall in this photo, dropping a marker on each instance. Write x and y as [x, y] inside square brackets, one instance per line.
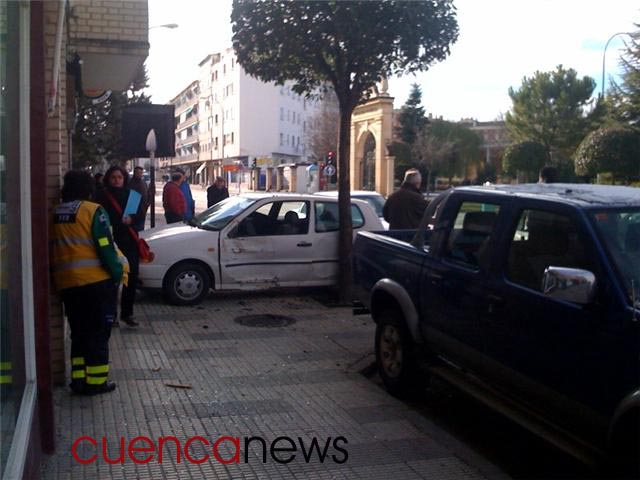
[57, 161]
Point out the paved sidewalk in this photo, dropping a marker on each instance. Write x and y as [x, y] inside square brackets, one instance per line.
[300, 380]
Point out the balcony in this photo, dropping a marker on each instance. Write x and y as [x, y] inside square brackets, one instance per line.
[187, 141]
[111, 39]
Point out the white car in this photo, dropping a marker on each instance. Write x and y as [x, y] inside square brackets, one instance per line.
[248, 242]
[372, 198]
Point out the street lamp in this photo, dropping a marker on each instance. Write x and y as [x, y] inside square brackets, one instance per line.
[604, 55]
[166, 25]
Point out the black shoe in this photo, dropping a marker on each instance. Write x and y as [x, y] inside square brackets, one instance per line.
[77, 387]
[105, 387]
[130, 321]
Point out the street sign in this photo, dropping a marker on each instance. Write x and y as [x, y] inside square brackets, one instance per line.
[329, 170]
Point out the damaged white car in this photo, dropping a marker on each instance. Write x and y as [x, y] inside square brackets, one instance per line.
[249, 242]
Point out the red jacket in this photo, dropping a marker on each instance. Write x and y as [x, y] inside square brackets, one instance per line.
[173, 199]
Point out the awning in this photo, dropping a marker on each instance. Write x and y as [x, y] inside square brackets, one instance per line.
[200, 168]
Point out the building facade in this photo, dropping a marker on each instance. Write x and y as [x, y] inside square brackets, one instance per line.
[241, 122]
[50, 53]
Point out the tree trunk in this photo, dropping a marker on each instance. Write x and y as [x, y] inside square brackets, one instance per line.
[345, 238]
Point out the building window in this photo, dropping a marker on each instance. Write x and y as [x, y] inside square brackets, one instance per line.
[288, 115]
[232, 138]
[281, 113]
[224, 69]
[281, 139]
[287, 139]
[294, 117]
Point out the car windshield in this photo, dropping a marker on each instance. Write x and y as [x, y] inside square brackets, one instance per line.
[376, 201]
[619, 229]
[219, 215]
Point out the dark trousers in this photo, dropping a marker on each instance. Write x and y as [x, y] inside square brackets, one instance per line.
[129, 291]
[90, 310]
[171, 217]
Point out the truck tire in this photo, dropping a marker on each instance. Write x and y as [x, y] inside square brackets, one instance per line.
[395, 356]
[186, 284]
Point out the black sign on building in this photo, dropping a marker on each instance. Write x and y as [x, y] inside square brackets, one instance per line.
[138, 120]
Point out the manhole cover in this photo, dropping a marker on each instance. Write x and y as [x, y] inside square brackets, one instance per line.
[267, 320]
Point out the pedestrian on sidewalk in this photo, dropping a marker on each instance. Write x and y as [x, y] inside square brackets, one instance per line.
[86, 271]
[405, 207]
[188, 197]
[173, 201]
[217, 192]
[139, 185]
[114, 199]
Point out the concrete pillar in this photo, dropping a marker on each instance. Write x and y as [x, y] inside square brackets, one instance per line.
[279, 178]
[269, 177]
[293, 183]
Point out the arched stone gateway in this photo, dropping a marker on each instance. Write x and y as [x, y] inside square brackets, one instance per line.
[371, 132]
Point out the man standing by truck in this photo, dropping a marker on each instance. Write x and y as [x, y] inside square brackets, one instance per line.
[405, 207]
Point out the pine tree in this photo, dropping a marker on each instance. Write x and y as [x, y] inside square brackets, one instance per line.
[625, 98]
[411, 117]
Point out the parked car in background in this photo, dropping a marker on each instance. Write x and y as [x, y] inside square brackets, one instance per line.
[372, 198]
[524, 296]
[249, 242]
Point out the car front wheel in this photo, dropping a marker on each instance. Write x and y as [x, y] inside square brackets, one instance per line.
[395, 357]
[186, 284]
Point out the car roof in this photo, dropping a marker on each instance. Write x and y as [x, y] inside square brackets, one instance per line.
[582, 195]
[364, 193]
[289, 196]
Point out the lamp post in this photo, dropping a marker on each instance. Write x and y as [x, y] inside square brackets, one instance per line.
[151, 146]
[604, 56]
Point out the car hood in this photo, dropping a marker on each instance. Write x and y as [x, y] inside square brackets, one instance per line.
[172, 233]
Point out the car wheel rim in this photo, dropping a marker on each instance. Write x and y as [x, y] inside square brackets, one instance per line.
[391, 351]
[188, 285]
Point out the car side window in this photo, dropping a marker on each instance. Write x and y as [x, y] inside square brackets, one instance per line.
[543, 239]
[327, 217]
[293, 218]
[276, 218]
[469, 237]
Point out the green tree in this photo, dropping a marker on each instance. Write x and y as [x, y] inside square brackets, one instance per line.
[98, 135]
[553, 109]
[349, 45]
[448, 149]
[526, 157]
[624, 99]
[610, 150]
[411, 118]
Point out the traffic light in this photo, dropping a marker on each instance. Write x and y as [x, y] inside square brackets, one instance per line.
[253, 163]
[331, 156]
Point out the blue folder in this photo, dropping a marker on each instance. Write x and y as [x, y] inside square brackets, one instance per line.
[133, 202]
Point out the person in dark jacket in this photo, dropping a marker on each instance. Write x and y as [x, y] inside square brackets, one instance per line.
[405, 207]
[173, 201]
[114, 200]
[217, 192]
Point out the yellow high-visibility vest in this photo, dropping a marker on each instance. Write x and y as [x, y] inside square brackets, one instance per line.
[74, 259]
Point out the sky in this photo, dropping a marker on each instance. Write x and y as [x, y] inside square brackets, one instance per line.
[500, 42]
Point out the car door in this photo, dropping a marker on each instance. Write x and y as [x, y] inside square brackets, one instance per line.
[552, 353]
[454, 289]
[325, 232]
[261, 249]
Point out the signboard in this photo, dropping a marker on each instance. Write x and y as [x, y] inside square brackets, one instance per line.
[329, 170]
[230, 168]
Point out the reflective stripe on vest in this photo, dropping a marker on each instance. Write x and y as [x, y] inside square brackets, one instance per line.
[74, 259]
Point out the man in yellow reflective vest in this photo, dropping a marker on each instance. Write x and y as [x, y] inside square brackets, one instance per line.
[86, 271]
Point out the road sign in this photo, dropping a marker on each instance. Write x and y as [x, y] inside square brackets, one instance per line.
[329, 170]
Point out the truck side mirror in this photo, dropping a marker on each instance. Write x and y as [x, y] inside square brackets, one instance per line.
[570, 284]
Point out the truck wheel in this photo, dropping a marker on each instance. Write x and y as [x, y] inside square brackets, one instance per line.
[394, 355]
[186, 284]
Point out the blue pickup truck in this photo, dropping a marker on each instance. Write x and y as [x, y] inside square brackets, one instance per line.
[526, 297]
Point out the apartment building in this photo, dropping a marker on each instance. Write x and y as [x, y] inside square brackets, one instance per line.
[241, 121]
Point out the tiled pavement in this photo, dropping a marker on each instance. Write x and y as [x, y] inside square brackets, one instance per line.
[300, 380]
